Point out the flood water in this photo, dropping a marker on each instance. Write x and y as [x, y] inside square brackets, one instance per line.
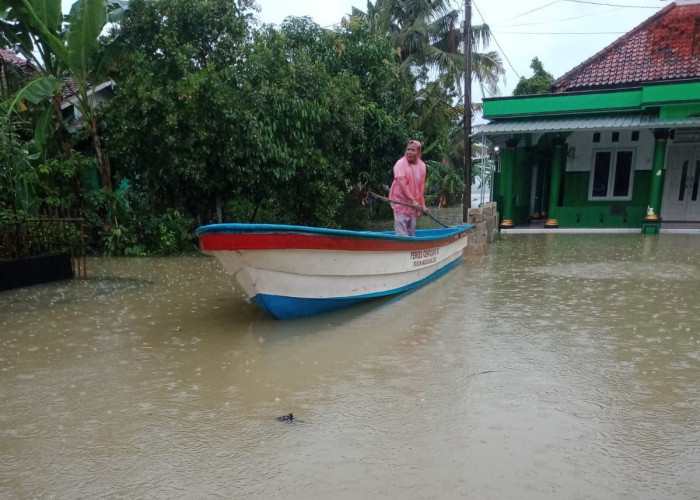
[557, 366]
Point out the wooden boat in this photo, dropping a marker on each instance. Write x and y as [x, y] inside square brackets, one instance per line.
[293, 271]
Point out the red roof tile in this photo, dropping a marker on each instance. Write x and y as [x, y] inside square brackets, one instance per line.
[665, 47]
[14, 59]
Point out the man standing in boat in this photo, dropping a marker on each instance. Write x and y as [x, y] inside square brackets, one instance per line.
[408, 187]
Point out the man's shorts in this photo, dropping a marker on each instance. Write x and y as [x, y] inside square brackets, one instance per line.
[405, 224]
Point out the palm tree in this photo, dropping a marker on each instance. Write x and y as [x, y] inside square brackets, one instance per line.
[428, 40]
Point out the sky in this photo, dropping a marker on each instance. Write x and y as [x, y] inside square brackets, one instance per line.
[561, 33]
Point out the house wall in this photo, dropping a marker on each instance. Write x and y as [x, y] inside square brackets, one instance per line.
[553, 104]
[648, 97]
[679, 111]
[497, 191]
[581, 159]
[578, 211]
[522, 185]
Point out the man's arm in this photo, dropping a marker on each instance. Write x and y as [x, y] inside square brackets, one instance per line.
[405, 191]
[421, 188]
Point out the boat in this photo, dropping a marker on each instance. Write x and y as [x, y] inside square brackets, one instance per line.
[293, 271]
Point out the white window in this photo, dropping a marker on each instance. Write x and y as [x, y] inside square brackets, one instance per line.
[611, 175]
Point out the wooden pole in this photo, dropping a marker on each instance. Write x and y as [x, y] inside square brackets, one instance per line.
[397, 202]
[467, 195]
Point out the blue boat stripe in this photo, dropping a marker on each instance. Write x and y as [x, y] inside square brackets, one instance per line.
[282, 307]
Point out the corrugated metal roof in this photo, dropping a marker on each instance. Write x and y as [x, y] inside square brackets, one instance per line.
[571, 123]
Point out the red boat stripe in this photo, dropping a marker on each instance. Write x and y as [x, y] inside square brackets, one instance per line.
[213, 242]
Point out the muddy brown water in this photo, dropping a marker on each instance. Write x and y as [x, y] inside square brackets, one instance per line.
[557, 366]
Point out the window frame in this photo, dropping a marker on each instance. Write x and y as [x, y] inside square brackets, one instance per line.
[611, 173]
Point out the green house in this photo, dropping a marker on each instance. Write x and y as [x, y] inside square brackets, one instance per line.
[616, 143]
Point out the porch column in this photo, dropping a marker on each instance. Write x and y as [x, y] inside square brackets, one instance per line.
[507, 173]
[539, 184]
[657, 167]
[555, 183]
[546, 177]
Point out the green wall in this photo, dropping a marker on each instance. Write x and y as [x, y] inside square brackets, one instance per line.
[521, 187]
[522, 181]
[679, 111]
[578, 211]
[670, 93]
[502, 107]
[649, 96]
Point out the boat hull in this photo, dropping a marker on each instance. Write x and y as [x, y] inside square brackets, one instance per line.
[293, 271]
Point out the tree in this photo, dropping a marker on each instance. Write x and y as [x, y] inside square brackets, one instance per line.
[272, 125]
[17, 178]
[539, 83]
[428, 40]
[365, 78]
[179, 106]
[294, 109]
[62, 53]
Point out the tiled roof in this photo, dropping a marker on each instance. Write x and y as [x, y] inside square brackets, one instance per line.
[11, 58]
[22, 69]
[15, 60]
[665, 47]
[69, 88]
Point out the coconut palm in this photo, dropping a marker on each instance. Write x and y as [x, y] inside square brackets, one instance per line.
[428, 40]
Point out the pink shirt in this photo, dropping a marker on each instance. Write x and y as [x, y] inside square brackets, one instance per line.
[415, 180]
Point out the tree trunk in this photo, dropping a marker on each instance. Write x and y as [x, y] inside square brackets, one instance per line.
[66, 148]
[102, 159]
[256, 207]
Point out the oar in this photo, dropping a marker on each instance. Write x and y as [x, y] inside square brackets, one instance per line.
[424, 212]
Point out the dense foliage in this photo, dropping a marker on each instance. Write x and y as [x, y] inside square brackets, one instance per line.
[539, 83]
[216, 118]
[266, 125]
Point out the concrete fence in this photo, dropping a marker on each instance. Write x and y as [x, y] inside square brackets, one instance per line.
[485, 221]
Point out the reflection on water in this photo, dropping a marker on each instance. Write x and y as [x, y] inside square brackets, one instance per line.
[557, 366]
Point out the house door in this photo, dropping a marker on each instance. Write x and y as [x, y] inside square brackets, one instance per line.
[681, 200]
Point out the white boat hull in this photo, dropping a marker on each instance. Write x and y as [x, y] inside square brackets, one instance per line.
[290, 282]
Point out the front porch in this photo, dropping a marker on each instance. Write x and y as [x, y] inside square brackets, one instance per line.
[538, 226]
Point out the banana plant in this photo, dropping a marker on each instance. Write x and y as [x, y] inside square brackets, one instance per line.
[64, 49]
[443, 181]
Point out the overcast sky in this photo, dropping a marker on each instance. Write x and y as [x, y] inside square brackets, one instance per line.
[562, 33]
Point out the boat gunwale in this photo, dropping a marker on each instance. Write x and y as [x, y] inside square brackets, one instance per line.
[422, 235]
[234, 237]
